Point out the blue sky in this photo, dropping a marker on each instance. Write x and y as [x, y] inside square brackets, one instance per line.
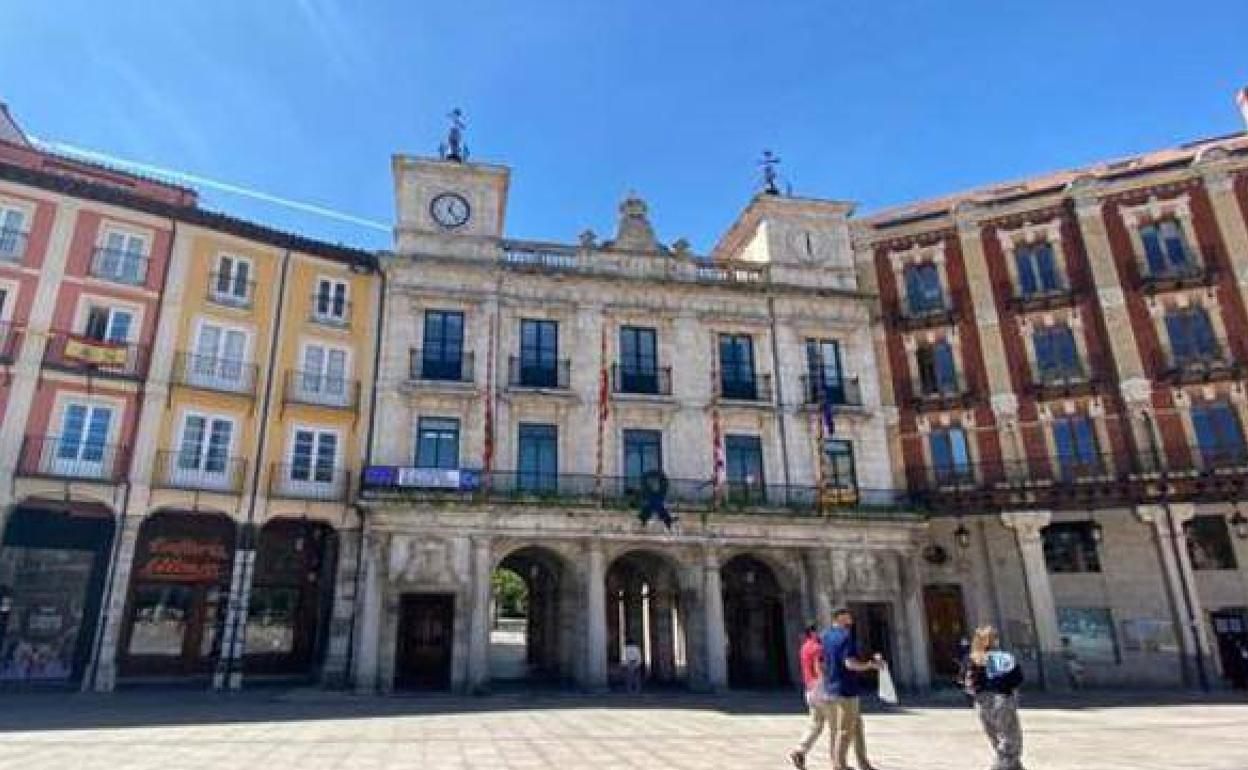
[875, 102]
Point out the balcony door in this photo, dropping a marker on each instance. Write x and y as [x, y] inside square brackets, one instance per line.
[937, 372]
[313, 459]
[324, 375]
[443, 353]
[639, 360]
[539, 353]
[82, 448]
[1219, 436]
[744, 467]
[108, 324]
[1165, 248]
[203, 459]
[643, 452]
[220, 358]
[736, 360]
[823, 367]
[1074, 439]
[121, 258]
[538, 458]
[923, 292]
[1037, 270]
[951, 459]
[1191, 335]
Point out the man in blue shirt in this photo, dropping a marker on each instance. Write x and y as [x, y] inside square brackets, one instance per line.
[841, 677]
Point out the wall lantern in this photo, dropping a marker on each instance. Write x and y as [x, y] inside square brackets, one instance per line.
[962, 535]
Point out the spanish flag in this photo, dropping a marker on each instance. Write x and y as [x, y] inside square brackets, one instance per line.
[94, 352]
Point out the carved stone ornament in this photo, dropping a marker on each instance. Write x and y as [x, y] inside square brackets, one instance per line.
[422, 561]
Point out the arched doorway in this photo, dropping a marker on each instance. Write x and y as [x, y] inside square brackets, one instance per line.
[532, 615]
[292, 593]
[754, 620]
[644, 606]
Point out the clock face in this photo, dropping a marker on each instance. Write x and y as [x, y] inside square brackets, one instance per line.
[450, 210]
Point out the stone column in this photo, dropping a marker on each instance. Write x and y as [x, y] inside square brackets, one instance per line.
[916, 621]
[1027, 526]
[342, 610]
[1226, 209]
[229, 670]
[367, 653]
[595, 619]
[716, 640]
[104, 676]
[820, 586]
[1176, 567]
[662, 636]
[479, 621]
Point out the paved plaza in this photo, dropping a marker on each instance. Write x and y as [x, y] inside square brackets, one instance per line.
[319, 731]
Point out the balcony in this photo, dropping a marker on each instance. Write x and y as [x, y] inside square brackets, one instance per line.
[632, 380]
[199, 472]
[925, 315]
[952, 393]
[1198, 271]
[684, 496]
[1210, 365]
[543, 375]
[1062, 382]
[842, 392]
[330, 311]
[71, 352]
[119, 266]
[223, 375]
[227, 291]
[10, 342]
[307, 481]
[424, 366]
[745, 389]
[56, 458]
[1046, 298]
[318, 389]
[13, 245]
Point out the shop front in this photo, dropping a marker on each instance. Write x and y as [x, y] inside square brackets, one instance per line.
[52, 567]
[177, 604]
[291, 595]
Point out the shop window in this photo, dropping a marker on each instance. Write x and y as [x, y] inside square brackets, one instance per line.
[1088, 634]
[1037, 270]
[1209, 543]
[1071, 547]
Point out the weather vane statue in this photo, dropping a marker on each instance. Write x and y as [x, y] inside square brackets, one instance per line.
[454, 148]
[771, 180]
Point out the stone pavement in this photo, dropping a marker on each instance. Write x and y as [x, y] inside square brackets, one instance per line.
[312, 730]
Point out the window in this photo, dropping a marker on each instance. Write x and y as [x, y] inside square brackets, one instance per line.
[443, 354]
[324, 375]
[743, 456]
[1191, 335]
[1037, 270]
[82, 447]
[314, 455]
[639, 360]
[923, 292]
[205, 445]
[1219, 436]
[12, 233]
[937, 372]
[539, 353]
[1057, 357]
[1089, 633]
[1165, 248]
[1071, 547]
[841, 471]
[220, 358]
[121, 258]
[1209, 543]
[736, 361]
[231, 283]
[538, 458]
[951, 458]
[823, 368]
[331, 301]
[108, 324]
[437, 443]
[643, 452]
[1074, 439]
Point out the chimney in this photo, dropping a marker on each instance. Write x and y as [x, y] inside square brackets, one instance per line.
[1241, 99]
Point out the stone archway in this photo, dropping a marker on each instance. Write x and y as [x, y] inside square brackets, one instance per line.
[536, 644]
[755, 624]
[644, 605]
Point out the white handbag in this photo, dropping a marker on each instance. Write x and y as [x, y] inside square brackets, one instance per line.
[888, 692]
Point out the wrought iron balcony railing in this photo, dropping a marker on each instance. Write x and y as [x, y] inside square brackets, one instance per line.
[1058, 381]
[199, 470]
[309, 481]
[13, 245]
[433, 366]
[72, 457]
[756, 389]
[1064, 294]
[99, 358]
[1199, 269]
[920, 315]
[550, 375]
[320, 389]
[945, 393]
[1208, 365]
[119, 266]
[224, 375]
[655, 381]
[226, 289]
[845, 391]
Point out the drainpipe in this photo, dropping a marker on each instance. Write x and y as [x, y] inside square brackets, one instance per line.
[775, 367]
[247, 539]
[349, 671]
[110, 582]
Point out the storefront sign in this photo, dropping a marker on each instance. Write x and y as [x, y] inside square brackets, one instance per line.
[183, 560]
[463, 479]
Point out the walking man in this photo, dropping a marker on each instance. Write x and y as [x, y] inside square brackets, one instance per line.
[841, 670]
[817, 700]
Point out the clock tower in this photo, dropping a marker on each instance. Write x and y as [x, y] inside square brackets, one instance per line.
[447, 205]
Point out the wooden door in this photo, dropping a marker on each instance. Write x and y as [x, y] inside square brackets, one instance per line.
[1230, 628]
[426, 626]
[946, 627]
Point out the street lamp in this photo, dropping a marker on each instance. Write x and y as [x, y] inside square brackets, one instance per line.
[962, 535]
